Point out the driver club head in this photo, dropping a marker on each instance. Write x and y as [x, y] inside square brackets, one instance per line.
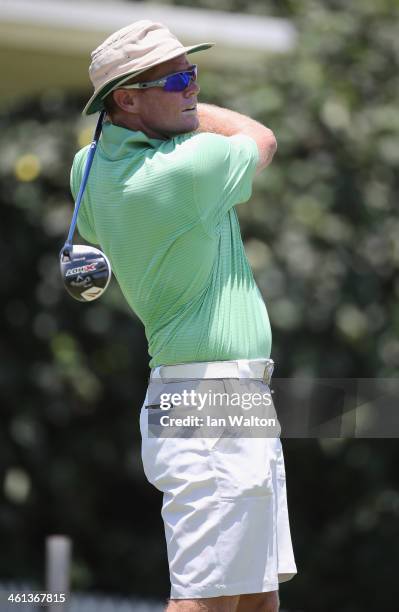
[85, 270]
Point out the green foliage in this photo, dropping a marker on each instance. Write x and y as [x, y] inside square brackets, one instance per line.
[322, 234]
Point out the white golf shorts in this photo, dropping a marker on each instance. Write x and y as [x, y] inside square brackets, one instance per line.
[224, 496]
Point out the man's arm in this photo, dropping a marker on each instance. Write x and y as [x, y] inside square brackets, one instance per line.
[226, 122]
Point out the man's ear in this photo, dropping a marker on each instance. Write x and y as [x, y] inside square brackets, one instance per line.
[127, 100]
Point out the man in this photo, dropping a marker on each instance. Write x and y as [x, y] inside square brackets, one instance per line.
[160, 202]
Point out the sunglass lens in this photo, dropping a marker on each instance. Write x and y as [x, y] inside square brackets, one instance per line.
[178, 82]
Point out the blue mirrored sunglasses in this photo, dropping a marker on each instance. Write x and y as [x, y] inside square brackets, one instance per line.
[178, 81]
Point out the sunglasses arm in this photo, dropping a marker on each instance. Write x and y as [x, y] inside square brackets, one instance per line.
[159, 83]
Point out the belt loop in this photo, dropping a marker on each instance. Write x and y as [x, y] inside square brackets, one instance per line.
[267, 375]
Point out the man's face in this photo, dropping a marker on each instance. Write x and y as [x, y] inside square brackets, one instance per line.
[164, 113]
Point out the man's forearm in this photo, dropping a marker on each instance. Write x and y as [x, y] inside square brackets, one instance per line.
[223, 121]
[229, 123]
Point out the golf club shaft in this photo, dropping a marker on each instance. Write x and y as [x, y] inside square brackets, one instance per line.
[86, 172]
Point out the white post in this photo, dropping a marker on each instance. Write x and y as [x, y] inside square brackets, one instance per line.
[58, 562]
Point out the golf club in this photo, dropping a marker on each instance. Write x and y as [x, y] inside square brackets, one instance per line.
[85, 270]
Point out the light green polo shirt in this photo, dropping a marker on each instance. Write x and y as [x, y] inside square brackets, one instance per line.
[163, 213]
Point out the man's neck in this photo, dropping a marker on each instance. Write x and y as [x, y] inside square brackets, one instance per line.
[136, 125]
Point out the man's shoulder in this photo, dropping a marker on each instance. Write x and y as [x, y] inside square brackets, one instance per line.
[189, 148]
[207, 153]
[214, 144]
[181, 152]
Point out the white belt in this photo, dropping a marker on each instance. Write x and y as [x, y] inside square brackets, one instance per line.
[240, 368]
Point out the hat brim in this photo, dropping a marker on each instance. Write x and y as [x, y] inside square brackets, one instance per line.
[95, 103]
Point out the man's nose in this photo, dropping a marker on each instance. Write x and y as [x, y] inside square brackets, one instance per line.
[192, 88]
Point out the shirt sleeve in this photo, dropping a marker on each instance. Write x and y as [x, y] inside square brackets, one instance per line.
[84, 227]
[224, 169]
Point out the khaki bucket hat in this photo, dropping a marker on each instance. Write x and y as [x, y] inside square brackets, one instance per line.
[129, 52]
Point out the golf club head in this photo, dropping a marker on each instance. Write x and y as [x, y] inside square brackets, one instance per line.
[85, 271]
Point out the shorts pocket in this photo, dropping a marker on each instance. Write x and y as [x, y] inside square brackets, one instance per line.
[174, 451]
[242, 459]
[242, 467]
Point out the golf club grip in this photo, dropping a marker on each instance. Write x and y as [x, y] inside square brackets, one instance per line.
[86, 172]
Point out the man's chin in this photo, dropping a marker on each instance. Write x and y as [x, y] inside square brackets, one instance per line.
[183, 128]
[190, 126]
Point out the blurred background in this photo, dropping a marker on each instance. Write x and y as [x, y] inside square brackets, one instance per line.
[321, 232]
